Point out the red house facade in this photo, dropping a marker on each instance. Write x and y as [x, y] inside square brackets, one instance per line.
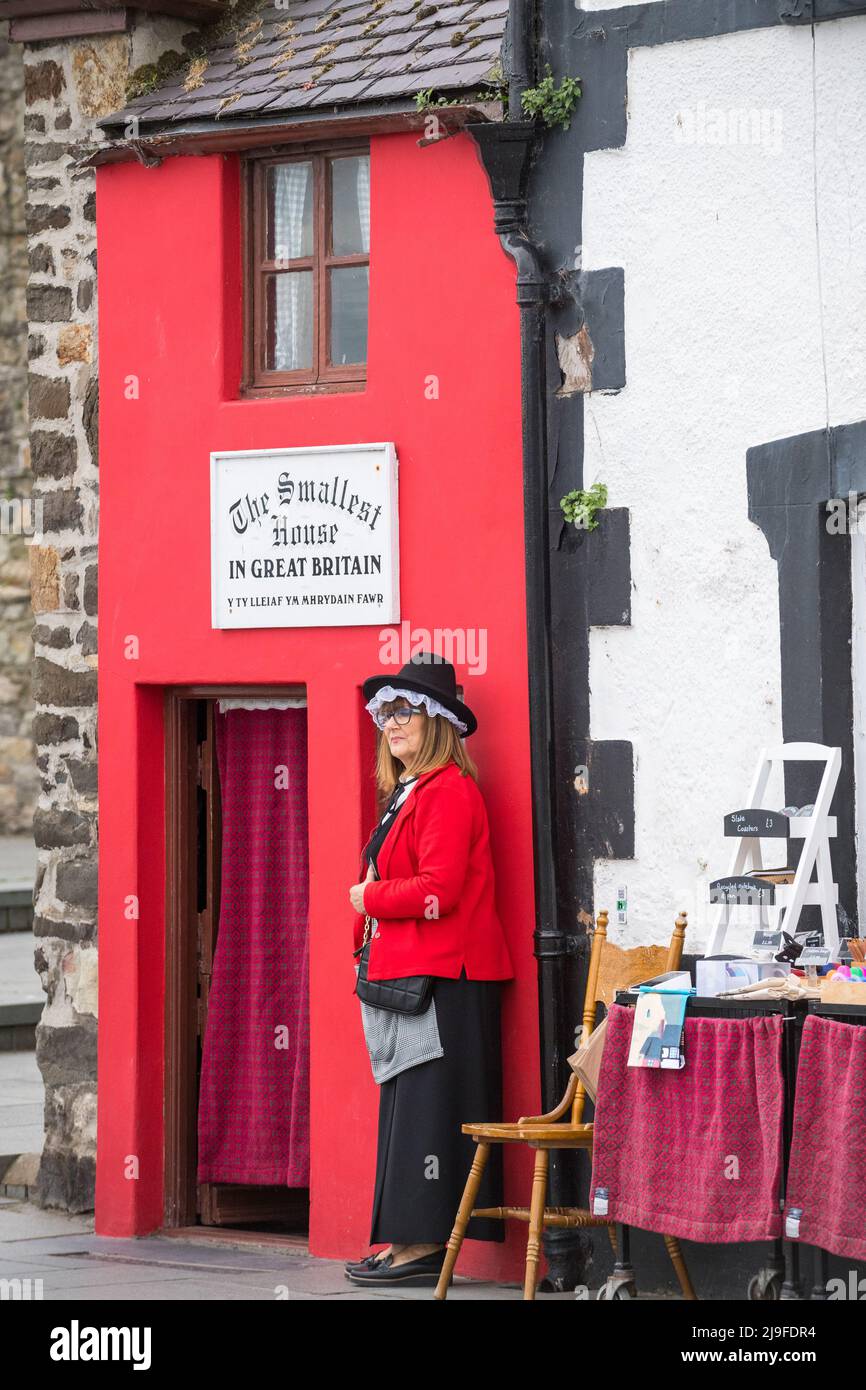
[190, 366]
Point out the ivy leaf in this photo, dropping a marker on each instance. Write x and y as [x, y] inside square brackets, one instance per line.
[580, 506]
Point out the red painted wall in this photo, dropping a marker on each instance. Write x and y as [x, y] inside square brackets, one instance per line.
[442, 303]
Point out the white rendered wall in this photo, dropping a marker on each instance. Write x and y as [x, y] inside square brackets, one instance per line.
[745, 321]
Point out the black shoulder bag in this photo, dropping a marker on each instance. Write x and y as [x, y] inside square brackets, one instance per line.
[409, 995]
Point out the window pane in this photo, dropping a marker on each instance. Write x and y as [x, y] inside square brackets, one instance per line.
[289, 192]
[349, 292]
[289, 321]
[350, 205]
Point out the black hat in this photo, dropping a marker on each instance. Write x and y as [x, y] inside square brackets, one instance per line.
[431, 675]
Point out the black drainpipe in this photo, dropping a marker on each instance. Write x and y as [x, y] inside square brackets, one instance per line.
[506, 151]
[521, 57]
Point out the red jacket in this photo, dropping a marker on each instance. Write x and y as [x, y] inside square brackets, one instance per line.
[435, 902]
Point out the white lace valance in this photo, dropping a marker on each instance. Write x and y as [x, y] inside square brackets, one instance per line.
[262, 702]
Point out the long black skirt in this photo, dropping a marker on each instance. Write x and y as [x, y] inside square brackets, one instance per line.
[423, 1159]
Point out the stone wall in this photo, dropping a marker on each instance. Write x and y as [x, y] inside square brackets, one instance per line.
[68, 85]
[18, 777]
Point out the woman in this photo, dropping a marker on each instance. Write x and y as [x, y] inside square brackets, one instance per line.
[429, 888]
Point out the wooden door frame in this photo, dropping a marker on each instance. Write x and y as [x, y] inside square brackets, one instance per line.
[179, 1188]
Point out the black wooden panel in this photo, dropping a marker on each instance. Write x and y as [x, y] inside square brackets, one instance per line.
[608, 570]
[604, 786]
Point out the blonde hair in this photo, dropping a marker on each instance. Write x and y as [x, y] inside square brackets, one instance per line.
[440, 744]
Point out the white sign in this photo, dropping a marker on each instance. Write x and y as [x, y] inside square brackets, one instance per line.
[304, 537]
[814, 955]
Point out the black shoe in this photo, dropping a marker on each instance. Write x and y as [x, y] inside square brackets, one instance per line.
[368, 1262]
[423, 1272]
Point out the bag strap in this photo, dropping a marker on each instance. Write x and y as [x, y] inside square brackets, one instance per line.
[368, 922]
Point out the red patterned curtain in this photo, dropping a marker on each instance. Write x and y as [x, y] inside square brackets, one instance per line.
[254, 1097]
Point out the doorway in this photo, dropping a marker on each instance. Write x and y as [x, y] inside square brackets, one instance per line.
[237, 1001]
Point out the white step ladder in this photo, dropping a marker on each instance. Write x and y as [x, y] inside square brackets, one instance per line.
[815, 831]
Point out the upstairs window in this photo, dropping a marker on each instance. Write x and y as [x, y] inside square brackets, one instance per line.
[308, 270]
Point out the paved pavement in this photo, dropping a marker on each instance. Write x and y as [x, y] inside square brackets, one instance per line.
[75, 1265]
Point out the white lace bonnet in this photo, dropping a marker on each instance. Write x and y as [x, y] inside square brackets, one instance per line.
[415, 697]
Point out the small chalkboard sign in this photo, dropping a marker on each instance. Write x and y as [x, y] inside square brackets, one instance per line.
[767, 940]
[742, 891]
[763, 824]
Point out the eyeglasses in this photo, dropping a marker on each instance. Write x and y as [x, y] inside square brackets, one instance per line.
[401, 715]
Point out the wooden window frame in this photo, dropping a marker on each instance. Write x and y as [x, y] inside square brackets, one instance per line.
[322, 376]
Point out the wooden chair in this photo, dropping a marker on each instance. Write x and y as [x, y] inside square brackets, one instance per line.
[610, 968]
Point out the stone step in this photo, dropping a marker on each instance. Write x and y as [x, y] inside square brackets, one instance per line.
[16, 908]
[18, 1026]
[18, 1174]
[21, 996]
[18, 865]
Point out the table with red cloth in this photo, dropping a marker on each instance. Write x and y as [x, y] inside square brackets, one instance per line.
[695, 1153]
[828, 1145]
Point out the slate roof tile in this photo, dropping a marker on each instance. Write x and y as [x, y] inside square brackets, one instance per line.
[392, 23]
[250, 103]
[461, 75]
[353, 31]
[442, 34]
[491, 9]
[340, 93]
[390, 43]
[331, 53]
[456, 14]
[353, 49]
[440, 57]
[304, 8]
[292, 99]
[390, 63]
[257, 84]
[485, 28]
[393, 86]
[160, 110]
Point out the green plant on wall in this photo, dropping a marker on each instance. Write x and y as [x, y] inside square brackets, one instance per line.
[493, 88]
[427, 99]
[495, 85]
[551, 104]
[580, 507]
[548, 103]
